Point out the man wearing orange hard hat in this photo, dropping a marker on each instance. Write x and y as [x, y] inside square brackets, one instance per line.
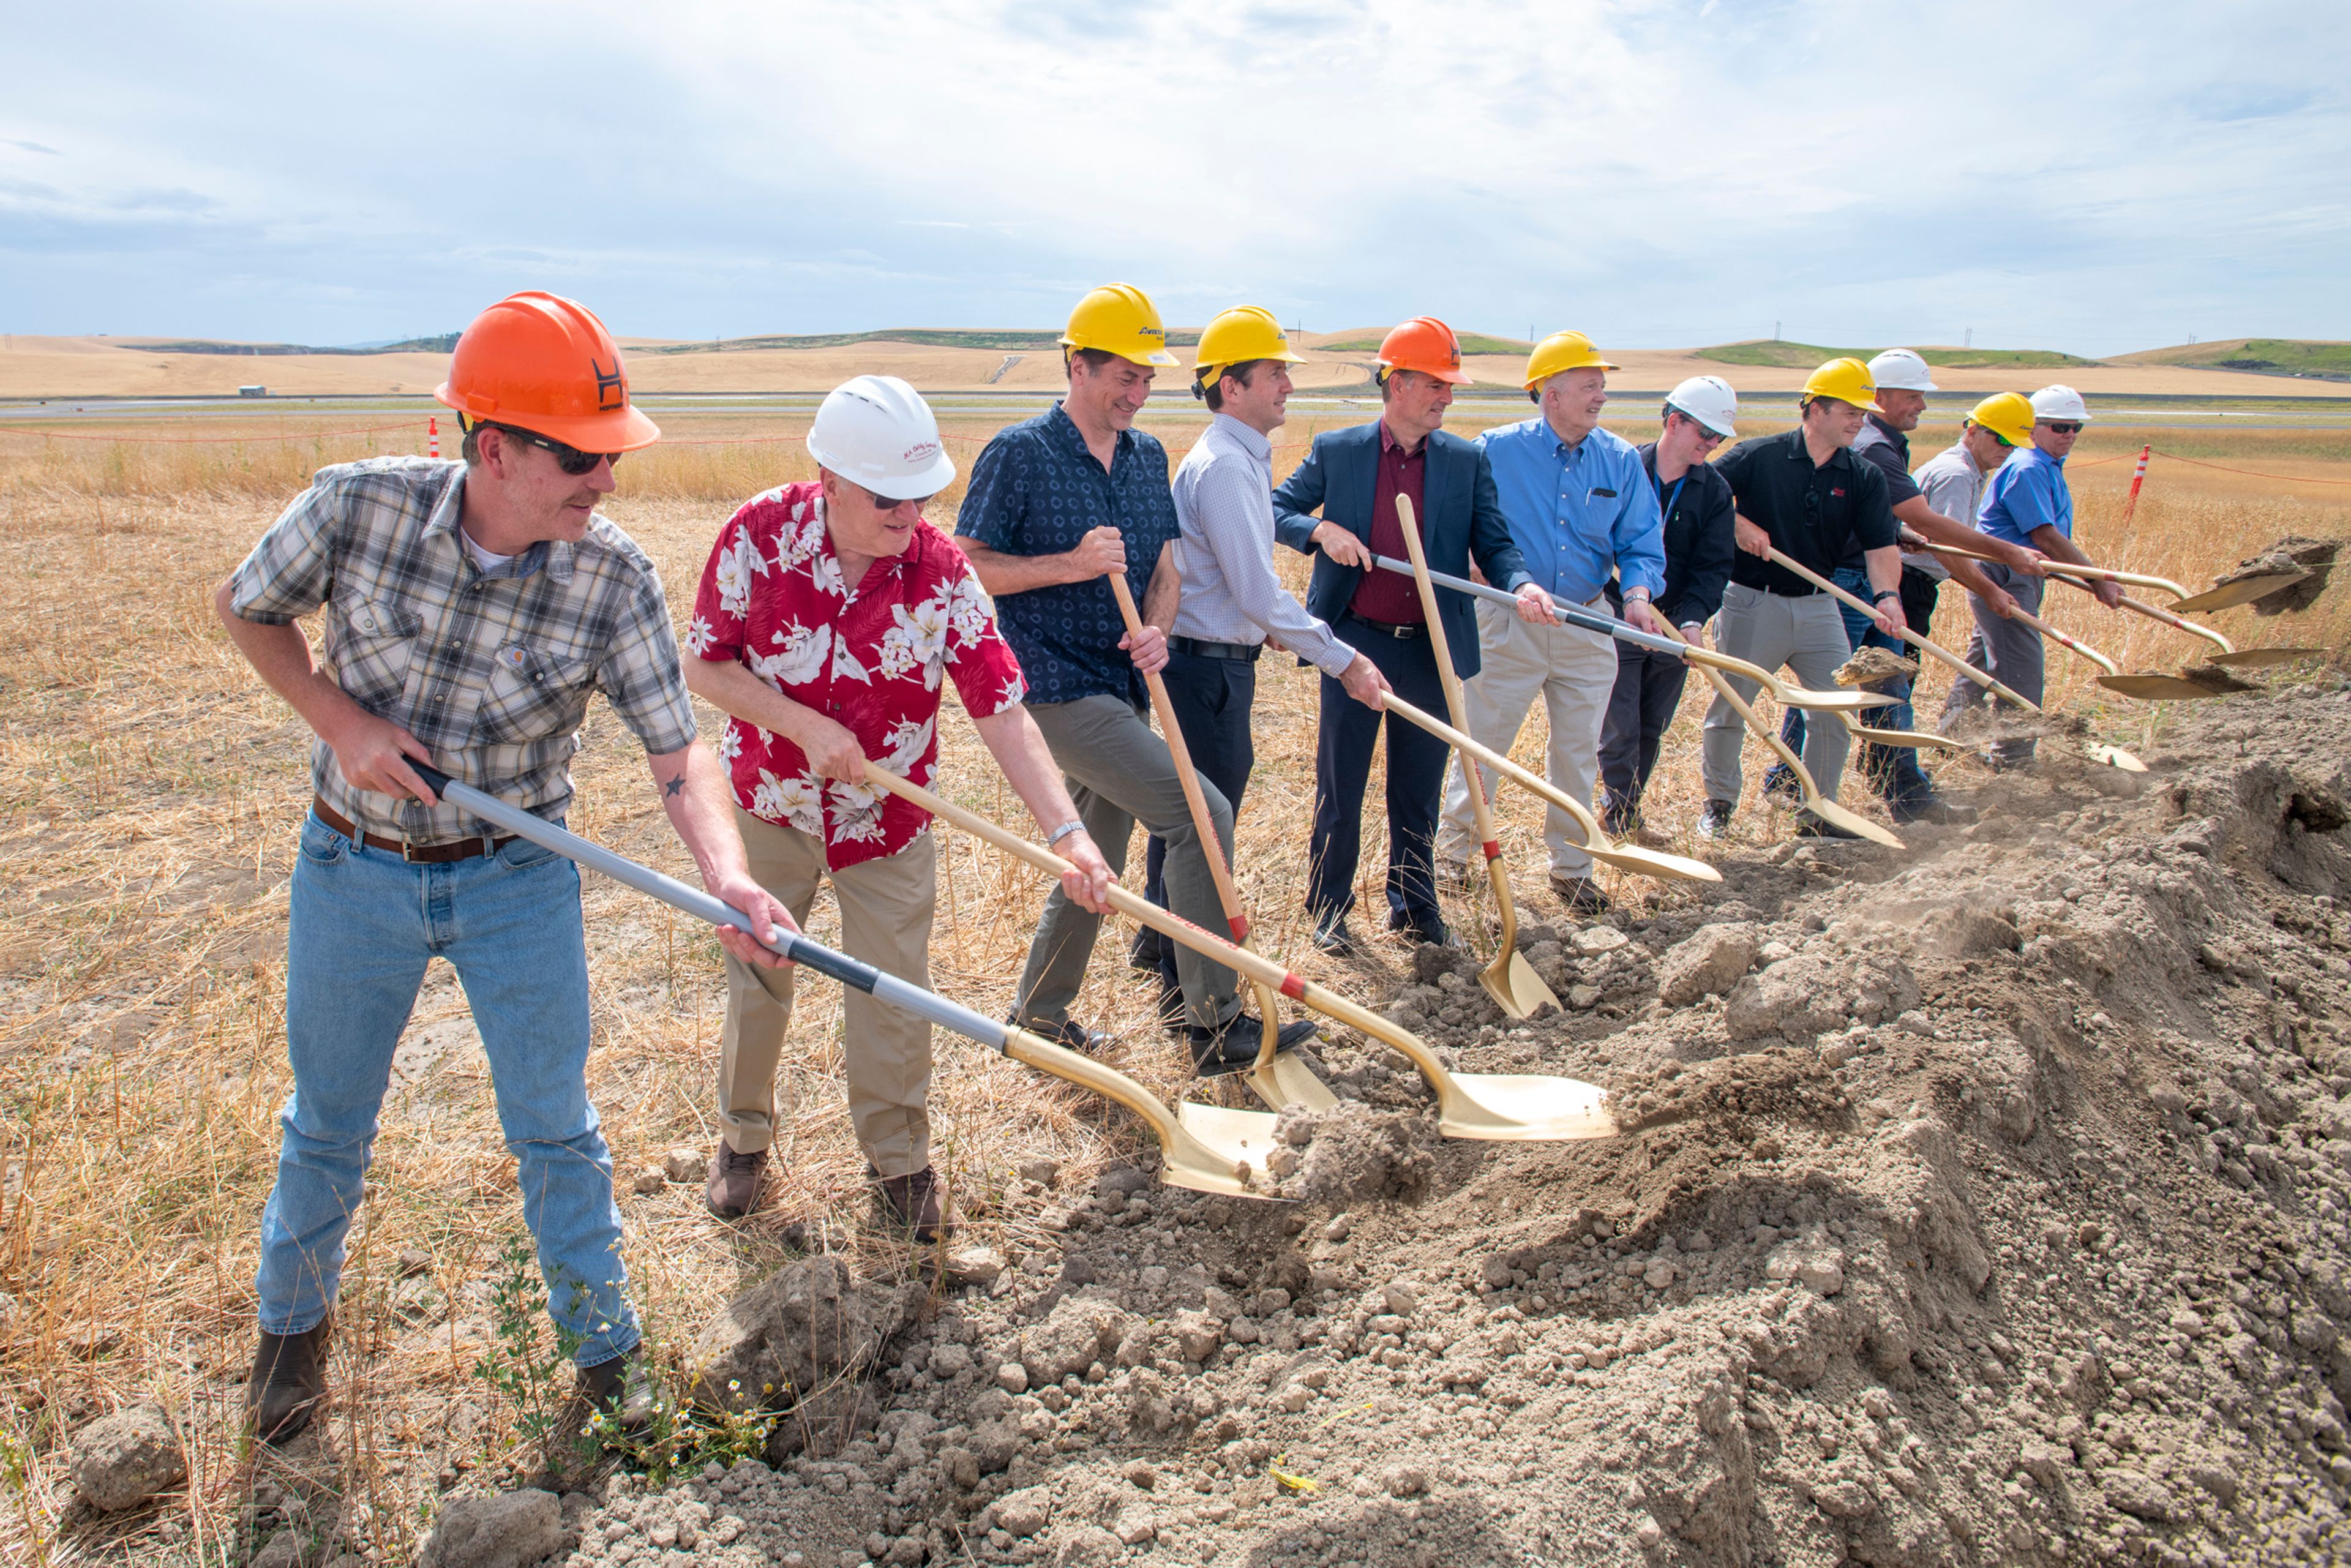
[469, 610]
[1356, 477]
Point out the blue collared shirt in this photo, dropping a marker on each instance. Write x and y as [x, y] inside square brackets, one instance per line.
[1577, 512]
[1036, 490]
[2028, 492]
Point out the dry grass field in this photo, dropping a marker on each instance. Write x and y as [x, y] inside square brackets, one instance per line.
[65, 368]
[149, 791]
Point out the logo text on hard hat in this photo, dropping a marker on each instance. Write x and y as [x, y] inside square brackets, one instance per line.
[1156, 334]
[612, 389]
[919, 451]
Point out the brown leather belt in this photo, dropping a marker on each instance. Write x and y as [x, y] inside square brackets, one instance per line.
[417, 854]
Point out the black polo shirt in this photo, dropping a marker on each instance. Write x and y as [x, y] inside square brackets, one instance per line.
[1818, 516]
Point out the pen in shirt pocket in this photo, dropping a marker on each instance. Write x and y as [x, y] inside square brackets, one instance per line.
[1602, 493]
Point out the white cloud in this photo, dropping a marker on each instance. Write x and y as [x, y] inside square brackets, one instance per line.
[1657, 170]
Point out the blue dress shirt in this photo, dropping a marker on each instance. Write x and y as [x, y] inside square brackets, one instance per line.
[2028, 492]
[1577, 512]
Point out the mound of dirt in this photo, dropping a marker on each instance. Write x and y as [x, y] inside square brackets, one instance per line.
[2218, 679]
[2293, 553]
[1989, 1202]
[1871, 668]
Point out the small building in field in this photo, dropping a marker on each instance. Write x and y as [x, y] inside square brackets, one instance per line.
[253, 392]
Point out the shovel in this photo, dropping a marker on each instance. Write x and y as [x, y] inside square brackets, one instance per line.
[2063, 641]
[1915, 739]
[1818, 804]
[2073, 569]
[2244, 590]
[2161, 688]
[1204, 1147]
[1597, 844]
[1576, 615]
[1510, 979]
[2230, 656]
[1277, 1080]
[1490, 1106]
[1914, 639]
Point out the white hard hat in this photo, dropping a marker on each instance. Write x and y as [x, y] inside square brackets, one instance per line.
[1901, 370]
[1707, 400]
[2060, 402]
[878, 433]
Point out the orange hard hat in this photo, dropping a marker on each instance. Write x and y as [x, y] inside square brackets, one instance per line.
[543, 363]
[1424, 344]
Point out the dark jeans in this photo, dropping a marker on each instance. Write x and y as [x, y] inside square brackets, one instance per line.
[1212, 698]
[1892, 770]
[1343, 768]
[1640, 710]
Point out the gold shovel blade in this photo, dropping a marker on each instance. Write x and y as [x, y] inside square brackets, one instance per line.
[1285, 1080]
[2157, 688]
[2114, 756]
[1913, 740]
[1515, 987]
[1214, 1149]
[2264, 658]
[2244, 590]
[1509, 1107]
[1829, 811]
[1655, 862]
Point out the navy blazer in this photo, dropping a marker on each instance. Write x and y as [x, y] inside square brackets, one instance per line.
[1461, 517]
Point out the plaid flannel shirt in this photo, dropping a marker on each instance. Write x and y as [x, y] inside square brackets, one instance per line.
[491, 670]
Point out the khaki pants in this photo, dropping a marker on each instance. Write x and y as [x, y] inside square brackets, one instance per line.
[1573, 671]
[886, 920]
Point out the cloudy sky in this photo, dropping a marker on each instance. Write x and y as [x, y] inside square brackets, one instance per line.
[1660, 173]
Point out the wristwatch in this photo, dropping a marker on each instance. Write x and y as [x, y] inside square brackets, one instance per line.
[1881, 598]
[1063, 831]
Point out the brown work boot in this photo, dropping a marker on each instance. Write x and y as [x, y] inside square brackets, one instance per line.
[732, 1189]
[288, 1383]
[611, 1404]
[912, 1203]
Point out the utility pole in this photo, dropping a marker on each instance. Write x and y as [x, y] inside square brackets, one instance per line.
[1775, 332]
[1968, 339]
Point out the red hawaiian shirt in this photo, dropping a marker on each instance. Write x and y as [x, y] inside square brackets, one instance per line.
[869, 658]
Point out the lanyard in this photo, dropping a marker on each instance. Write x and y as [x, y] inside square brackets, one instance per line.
[1677, 495]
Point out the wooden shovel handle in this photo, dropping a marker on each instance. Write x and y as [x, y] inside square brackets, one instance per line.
[1172, 733]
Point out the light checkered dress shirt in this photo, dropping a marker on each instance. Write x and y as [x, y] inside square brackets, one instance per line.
[491, 670]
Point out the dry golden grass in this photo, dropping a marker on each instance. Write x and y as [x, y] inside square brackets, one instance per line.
[150, 788]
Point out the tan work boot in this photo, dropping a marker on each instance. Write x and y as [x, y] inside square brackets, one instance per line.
[288, 1382]
[733, 1185]
[913, 1202]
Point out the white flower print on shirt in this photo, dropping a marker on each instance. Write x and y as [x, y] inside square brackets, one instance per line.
[968, 610]
[907, 740]
[799, 660]
[856, 811]
[730, 740]
[738, 565]
[699, 633]
[791, 801]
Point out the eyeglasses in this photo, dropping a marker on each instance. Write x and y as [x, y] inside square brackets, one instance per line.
[571, 459]
[2062, 426]
[883, 503]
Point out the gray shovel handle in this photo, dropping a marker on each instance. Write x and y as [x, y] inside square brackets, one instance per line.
[1574, 615]
[849, 971]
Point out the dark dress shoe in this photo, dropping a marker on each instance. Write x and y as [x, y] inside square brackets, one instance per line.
[1581, 894]
[288, 1382]
[1234, 1048]
[912, 1203]
[732, 1190]
[1332, 936]
[1071, 1036]
[1811, 827]
[1427, 930]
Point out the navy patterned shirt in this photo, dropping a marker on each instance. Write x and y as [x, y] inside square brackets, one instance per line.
[1036, 490]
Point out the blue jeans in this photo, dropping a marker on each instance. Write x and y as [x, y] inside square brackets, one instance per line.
[1893, 769]
[363, 924]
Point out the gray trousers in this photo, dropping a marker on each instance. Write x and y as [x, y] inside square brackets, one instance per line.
[1120, 773]
[2010, 652]
[1805, 634]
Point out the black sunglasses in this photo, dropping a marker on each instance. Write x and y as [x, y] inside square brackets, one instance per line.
[571, 459]
[2062, 426]
[891, 504]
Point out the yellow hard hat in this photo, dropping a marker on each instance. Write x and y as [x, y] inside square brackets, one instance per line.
[1562, 351]
[1118, 318]
[1233, 337]
[2008, 415]
[1847, 381]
